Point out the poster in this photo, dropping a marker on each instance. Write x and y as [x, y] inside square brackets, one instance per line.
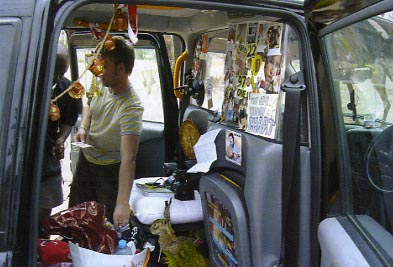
[262, 118]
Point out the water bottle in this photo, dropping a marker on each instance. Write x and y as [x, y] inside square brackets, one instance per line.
[122, 248]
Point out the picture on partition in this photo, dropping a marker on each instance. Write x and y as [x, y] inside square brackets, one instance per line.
[252, 32]
[233, 147]
[274, 40]
[232, 33]
[241, 33]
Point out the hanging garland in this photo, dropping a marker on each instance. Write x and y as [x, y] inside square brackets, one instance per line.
[120, 22]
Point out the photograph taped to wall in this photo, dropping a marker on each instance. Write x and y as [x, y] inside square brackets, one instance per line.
[233, 147]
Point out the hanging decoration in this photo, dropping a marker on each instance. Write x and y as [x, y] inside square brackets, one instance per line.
[121, 22]
[54, 112]
[133, 17]
[76, 89]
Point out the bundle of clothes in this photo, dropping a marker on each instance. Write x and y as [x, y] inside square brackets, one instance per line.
[86, 225]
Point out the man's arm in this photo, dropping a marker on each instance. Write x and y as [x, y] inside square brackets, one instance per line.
[58, 148]
[128, 151]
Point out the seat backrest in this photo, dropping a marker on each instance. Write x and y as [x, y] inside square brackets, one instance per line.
[223, 203]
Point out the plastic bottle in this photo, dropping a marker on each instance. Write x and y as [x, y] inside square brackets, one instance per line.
[122, 248]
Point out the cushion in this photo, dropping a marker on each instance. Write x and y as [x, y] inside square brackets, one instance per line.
[149, 208]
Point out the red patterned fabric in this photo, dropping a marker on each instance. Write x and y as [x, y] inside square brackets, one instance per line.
[53, 251]
[83, 224]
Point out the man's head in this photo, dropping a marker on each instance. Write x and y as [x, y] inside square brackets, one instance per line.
[62, 63]
[118, 62]
[231, 138]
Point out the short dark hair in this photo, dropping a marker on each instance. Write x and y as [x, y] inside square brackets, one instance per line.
[122, 53]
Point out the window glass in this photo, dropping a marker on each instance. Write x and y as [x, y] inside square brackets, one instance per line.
[214, 80]
[146, 81]
[175, 48]
[212, 67]
[361, 60]
[144, 78]
[9, 56]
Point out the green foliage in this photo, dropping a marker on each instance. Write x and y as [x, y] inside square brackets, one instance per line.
[187, 255]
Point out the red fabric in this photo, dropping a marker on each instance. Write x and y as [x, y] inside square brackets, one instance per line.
[53, 251]
[83, 224]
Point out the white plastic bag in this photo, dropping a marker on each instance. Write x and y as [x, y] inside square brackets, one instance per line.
[82, 257]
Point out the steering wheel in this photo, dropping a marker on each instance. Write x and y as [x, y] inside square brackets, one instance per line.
[379, 161]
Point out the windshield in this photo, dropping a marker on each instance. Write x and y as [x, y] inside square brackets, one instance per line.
[362, 68]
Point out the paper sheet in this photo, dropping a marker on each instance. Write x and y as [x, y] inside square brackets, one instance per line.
[81, 144]
[205, 152]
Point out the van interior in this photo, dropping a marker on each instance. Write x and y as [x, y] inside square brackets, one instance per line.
[267, 137]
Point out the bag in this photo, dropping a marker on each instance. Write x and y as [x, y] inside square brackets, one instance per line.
[82, 257]
[53, 251]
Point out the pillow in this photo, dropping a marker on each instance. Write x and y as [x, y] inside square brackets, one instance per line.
[149, 208]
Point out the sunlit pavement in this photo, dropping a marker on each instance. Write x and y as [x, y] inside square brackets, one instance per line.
[67, 177]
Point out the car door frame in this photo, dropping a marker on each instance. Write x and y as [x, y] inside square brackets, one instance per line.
[29, 95]
[357, 238]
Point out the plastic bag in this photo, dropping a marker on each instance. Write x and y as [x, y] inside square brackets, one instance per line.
[83, 224]
[82, 257]
[53, 251]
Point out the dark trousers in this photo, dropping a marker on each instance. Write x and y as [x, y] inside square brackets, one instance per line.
[92, 182]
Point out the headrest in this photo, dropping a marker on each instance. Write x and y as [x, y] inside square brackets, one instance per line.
[199, 117]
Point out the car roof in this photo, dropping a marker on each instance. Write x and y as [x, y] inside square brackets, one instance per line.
[176, 19]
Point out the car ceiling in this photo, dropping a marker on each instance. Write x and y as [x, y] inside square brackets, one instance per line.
[160, 19]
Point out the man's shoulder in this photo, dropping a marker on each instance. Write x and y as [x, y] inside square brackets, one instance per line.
[64, 83]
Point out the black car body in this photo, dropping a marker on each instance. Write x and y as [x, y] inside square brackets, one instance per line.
[314, 191]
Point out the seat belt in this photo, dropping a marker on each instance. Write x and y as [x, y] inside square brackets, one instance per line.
[290, 154]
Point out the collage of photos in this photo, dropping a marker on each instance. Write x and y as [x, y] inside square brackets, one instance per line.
[253, 65]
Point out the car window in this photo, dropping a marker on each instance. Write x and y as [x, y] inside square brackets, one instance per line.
[9, 57]
[361, 64]
[144, 78]
[361, 57]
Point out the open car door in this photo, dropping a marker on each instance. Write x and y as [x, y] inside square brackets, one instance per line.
[355, 74]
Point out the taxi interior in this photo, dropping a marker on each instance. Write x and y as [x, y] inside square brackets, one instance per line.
[177, 88]
[215, 70]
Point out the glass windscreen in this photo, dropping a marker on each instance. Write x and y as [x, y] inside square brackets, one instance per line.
[361, 58]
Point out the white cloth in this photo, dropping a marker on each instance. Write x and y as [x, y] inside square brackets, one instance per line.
[148, 209]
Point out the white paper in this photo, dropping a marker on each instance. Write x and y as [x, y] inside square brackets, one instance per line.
[81, 144]
[82, 257]
[205, 152]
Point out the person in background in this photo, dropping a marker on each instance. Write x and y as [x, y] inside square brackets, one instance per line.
[57, 132]
[111, 124]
